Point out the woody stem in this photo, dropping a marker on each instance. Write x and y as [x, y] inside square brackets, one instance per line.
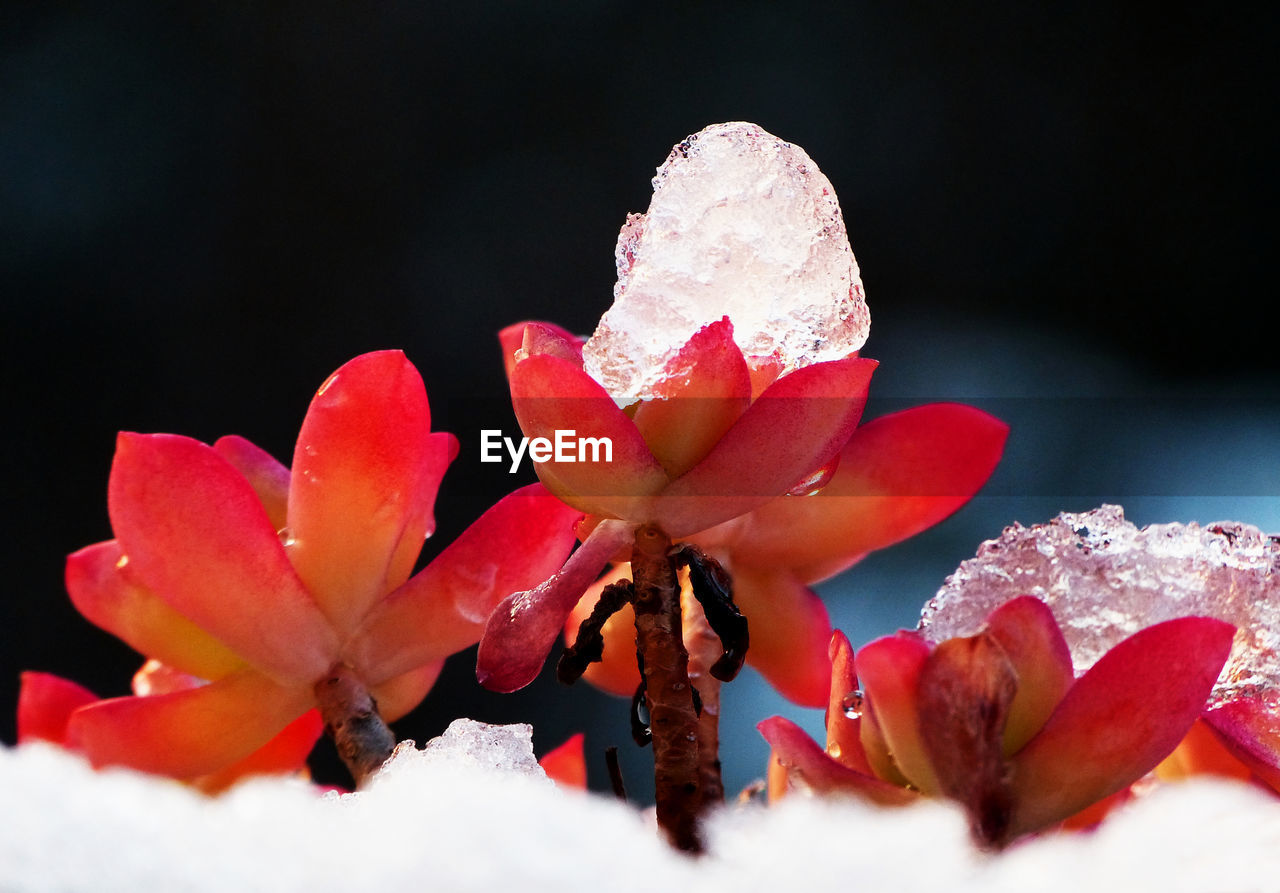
[352, 720]
[669, 696]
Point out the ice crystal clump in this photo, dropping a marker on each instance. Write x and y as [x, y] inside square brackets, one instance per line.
[742, 225]
[1105, 579]
[468, 743]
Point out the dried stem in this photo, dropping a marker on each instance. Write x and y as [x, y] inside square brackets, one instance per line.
[352, 720]
[615, 773]
[673, 717]
[704, 650]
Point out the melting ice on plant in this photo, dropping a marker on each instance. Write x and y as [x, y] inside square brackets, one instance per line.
[744, 225]
[1105, 579]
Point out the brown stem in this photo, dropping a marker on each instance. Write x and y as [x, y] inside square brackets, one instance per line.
[672, 715]
[704, 650]
[352, 720]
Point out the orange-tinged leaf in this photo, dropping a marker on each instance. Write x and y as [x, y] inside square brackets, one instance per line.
[400, 694]
[844, 706]
[286, 753]
[45, 705]
[889, 669]
[188, 733]
[566, 765]
[1041, 660]
[805, 761]
[705, 389]
[101, 590]
[269, 478]
[1251, 733]
[616, 672]
[898, 475]
[1201, 752]
[365, 473]
[519, 542]
[790, 631]
[196, 535]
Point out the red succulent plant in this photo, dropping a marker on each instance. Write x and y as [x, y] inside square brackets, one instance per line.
[275, 588]
[718, 441]
[998, 722]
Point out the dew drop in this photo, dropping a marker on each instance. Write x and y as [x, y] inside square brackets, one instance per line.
[851, 704]
[286, 537]
[834, 751]
[815, 481]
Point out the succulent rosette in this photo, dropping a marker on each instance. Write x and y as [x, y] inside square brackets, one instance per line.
[998, 721]
[714, 444]
[256, 581]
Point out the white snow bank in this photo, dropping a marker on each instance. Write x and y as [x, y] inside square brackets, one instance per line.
[473, 812]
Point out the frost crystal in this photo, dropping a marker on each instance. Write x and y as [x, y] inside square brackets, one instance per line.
[742, 225]
[1105, 579]
[468, 743]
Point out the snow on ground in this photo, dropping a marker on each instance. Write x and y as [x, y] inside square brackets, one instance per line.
[472, 812]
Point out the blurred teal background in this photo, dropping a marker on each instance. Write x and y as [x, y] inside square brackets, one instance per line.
[1062, 215]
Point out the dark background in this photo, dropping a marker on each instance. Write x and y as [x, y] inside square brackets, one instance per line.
[1062, 215]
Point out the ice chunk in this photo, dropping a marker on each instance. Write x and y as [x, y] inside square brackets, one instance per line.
[1105, 579]
[742, 225]
[468, 744]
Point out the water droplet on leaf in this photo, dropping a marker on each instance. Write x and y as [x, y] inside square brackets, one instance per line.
[815, 481]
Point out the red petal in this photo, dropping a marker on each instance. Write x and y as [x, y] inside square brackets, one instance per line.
[799, 424]
[1252, 733]
[516, 544]
[1120, 719]
[844, 731]
[365, 473]
[189, 733]
[1034, 645]
[541, 337]
[890, 670]
[285, 753]
[196, 535]
[566, 765]
[803, 758]
[97, 580]
[965, 691]
[551, 395]
[45, 704]
[898, 475]
[616, 672]
[400, 694]
[705, 390]
[790, 631]
[269, 478]
[524, 626]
